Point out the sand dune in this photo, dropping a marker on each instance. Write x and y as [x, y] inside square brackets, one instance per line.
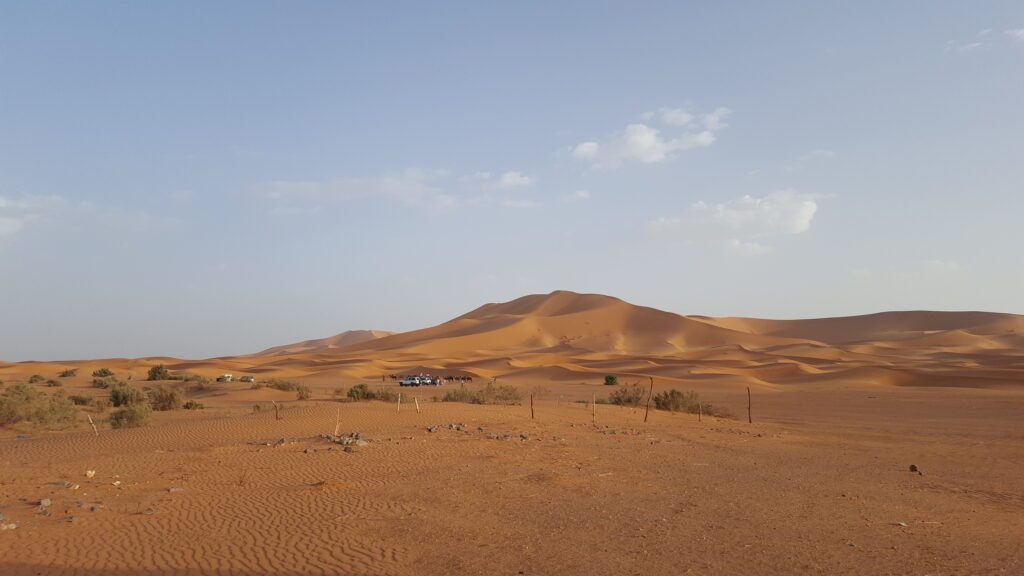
[818, 483]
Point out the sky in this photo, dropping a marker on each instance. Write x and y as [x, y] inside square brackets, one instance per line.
[198, 179]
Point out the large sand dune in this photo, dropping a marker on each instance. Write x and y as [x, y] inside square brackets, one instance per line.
[819, 483]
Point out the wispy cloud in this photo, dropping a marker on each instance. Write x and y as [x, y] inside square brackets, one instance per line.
[577, 196]
[504, 181]
[1015, 34]
[984, 39]
[647, 144]
[22, 213]
[809, 158]
[413, 187]
[743, 224]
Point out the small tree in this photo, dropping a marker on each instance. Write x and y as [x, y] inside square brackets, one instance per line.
[611, 380]
[127, 396]
[102, 373]
[164, 399]
[158, 372]
[130, 417]
[629, 395]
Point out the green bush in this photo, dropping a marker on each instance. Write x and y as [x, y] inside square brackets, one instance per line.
[104, 382]
[364, 392]
[80, 400]
[164, 399]
[22, 402]
[629, 395]
[53, 383]
[303, 392]
[192, 405]
[361, 392]
[102, 373]
[131, 417]
[611, 380]
[68, 373]
[35, 378]
[124, 395]
[284, 385]
[489, 394]
[676, 401]
[158, 372]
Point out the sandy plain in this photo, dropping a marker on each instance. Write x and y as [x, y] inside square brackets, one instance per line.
[818, 483]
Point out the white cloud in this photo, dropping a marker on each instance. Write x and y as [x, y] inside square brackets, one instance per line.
[521, 203]
[804, 160]
[675, 116]
[577, 196]
[412, 188]
[1015, 34]
[784, 212]
[647, 145]
[10, 226]
[743, 223]
[28, 211]
[515, 180]
[507, 180]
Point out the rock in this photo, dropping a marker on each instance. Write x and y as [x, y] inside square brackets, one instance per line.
[349, 449]
[913, 468]
[8, 526]
[309, 450]
[63, 483]
[175, 489]
[361, 443]
[507, 437]
[432, 429]
[1, 516]
[492, 436]
[93, 509]
[281, 442]
[45, 502]
[71, 519]
[523, 436]
[355, 435]
[901, 524]
[90, 473]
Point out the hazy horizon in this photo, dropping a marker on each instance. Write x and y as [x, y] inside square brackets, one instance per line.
[199, 180]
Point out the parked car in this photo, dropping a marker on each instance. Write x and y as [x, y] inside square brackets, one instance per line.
[225, 378]
[246, 379]
[413, 381]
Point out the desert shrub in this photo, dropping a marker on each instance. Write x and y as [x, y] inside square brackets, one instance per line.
[303, 392]
[104, 383]
[199, 383]
[611, 380]
[102, 373]
[68, 373]
[53, 383]
[629, 395]
[163, 399]
[35, 378]
[361, 392]
[490, 394]
[284, 385]
[676, 401]
[386, 395]
[192, 405]
[80, 400]
[124, 395]
[22, 402]
[158, 372]
[131, 417]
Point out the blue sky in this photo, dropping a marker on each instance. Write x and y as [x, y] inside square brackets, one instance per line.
[211, 178]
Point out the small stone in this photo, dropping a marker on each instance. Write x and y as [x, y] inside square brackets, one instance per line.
[8, 526]
[93, 509]
[901, 524]
[1, 516]
[507, 437]
[71, 519]
[149, 512]
[63, 483]
[523, 436]
[432, 429]
[349, 449]
[45, 502]
[492, 436]
[309, 450]
[913, 468]
[362, 443]
[175, 489]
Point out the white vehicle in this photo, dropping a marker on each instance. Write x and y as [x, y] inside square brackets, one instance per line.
[413, 381]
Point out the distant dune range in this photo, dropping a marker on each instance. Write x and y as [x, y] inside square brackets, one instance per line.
[570, 337]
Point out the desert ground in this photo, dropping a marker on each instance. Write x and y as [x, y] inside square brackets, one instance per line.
[820, 482]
